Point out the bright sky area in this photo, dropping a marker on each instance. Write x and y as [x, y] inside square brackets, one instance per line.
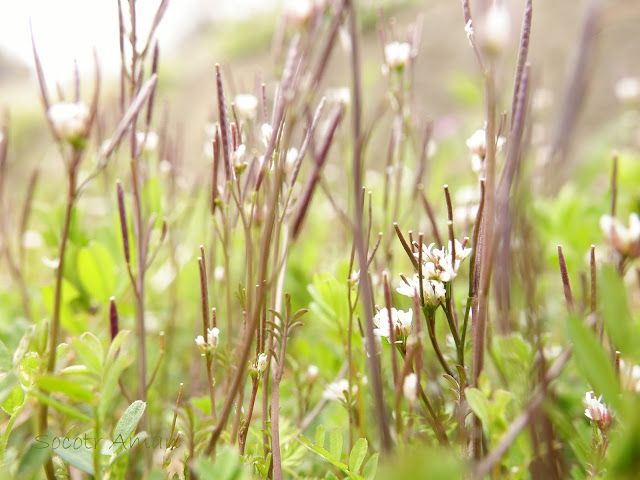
[68, 30]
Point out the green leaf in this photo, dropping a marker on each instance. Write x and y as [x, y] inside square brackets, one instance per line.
[129, 421]
[116, 343]
[592, 361]
[81, 458]
[32, 459]
[110, 382]
[6, 362]
[320, 436]
[61, 407]
[14, 401]
[89, 351]
[96, 271]
[74, 323]
[7, 384]
[369, 470]
[615, 310]
[358, 452]
[73, 389]
[478, 404]
[335, 444]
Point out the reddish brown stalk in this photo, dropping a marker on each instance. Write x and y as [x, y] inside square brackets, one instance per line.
[214, 171]
[568, 296]
[432, 218]
[123, 222]
[307, 139]
[422, 159]
[358, 233]
[154, 71]
[113, 318]
[204, 293]
[406, 247]
[320, 159]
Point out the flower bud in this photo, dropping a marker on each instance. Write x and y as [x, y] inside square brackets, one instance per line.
[397, 54]
[70, 121]
[495, 34]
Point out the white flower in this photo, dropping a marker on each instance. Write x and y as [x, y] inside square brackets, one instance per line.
[69, 120]
[410, 388]
[433, 290]
[628, 90]
[495, 34]
[300, 11]
[32, 239]
[397, 54]
[338, 95]
[218, 273]
[246, 105]
[237, 158]
[337, 390]
[261, 363]
[312, 373]
[625, 240]
[202, 345]
[147, 142]
[267, 131]
[477, 143]
[597, 411]
[213, 335]
[402, 323]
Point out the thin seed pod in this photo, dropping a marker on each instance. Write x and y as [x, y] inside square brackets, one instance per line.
[154, 70]
[113, 318]
[307, 139]
[315, 176]
[452, 237]
[214, 170]
[123, 222]
[131, 114]
[522, 54]
[568, 296]
[204, 292]
[406, 246]
[225, 129]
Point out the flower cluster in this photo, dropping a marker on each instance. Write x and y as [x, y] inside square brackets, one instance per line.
[402, 324]
[626, 241]
[213, 335]
[597, 411]
[438, 268]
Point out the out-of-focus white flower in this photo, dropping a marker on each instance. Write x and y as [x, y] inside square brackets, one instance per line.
[218, 273]
[338, 95]
[300, 12]
[495, 31]
[397, 54]
[213, 335]
[477, 143]
[238, 158]
[597, 411]
[202, 345]
[147, 142]
[625, 240]
[52, 263]
[292, 156]
[628, 90]
[246, 105]
[410, 388]
[261, 363]
[32, 239]
[69, 120]
[165, 275]
[267, 131]
[337, 390]
[312, 373]
[402, 323]
[210, 130]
